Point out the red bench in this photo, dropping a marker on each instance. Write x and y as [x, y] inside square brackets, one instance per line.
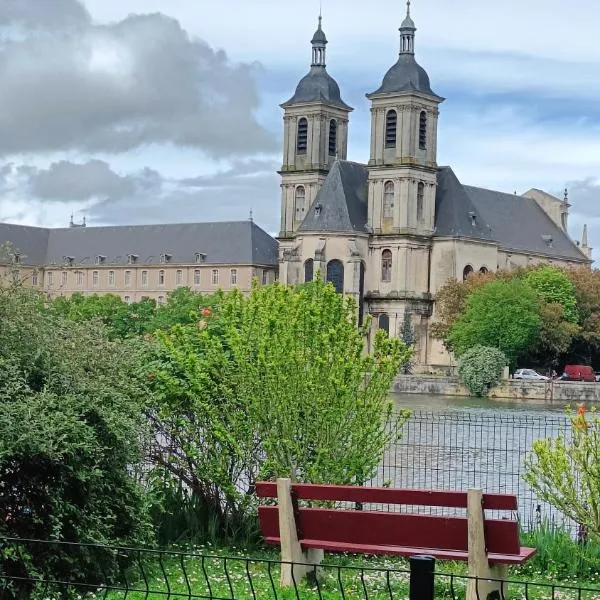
[489, 545]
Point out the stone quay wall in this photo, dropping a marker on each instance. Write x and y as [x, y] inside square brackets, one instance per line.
[559, 391]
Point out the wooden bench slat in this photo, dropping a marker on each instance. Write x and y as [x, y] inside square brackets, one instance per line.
[380, 495]
[372, 528]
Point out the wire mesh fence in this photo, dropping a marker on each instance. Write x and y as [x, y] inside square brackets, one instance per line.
[59, 570]
[457, 451]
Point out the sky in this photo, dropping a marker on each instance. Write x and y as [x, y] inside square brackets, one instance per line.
[146, 111]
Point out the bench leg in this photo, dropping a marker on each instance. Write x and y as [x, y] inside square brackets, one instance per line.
[478, 562]
[489, 590]
[291, 551]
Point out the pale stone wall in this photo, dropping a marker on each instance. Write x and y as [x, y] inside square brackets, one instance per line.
[134, 282]
[555, 208]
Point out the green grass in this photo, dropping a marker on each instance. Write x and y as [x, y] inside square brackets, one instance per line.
[231, 576]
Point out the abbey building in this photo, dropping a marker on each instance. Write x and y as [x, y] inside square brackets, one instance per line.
[391, 232]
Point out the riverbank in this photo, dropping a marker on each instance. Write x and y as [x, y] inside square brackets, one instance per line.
[564, 392]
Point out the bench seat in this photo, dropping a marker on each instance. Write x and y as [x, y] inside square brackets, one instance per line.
[441, 554]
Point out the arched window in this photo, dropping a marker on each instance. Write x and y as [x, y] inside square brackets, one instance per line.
[333, 137]
[388, 200]
[361, 295]
[467, 271]
[384, 323]
[423, 130]
[386, 265]
[420, 201]
[483, 270]
[391, 126]
[309, 267]
[300, 202]
[302, 141]
[335, 274]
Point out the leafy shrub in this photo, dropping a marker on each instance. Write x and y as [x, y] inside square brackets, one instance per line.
[480, 368]
[70, 425]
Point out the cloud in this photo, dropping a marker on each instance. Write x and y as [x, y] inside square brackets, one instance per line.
[115, 87]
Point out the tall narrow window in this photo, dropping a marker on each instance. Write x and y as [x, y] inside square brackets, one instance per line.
[300, 202]
[144, 279]
[333, 137]
[391, 126]
[197, 277]
[95, 279]
[215, 277]
[233, 276]
[64, 278]
[265, 277]
[127, 278]
[179, 277]
[423, 130]
[386, 265]
[388, 200]
[161, 277]
[384, 323]
[420, 201]
[79, 276]
[34, 278]
[50, 278]
[111, 278]
[335, 274]
[309, 267]
[302, 141]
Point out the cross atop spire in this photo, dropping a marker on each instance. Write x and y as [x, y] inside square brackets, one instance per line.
[408, 8]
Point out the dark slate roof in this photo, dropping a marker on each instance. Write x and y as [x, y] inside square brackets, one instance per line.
[317, 86]
[237, 242]
[31, 242]
[405, 76]
[454, 210]
[341, 203]
[520, 223]
[319, 37]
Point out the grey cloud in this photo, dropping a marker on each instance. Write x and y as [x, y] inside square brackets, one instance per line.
[43, 14]
[118, 86]
[584, 196]
[240, 174]
[218, 198]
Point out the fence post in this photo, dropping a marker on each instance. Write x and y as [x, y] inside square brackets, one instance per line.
[422, 578]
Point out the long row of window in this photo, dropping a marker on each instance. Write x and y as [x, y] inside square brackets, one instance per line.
[302, 137]
[127, 278]
[391, 129]
[389, 193]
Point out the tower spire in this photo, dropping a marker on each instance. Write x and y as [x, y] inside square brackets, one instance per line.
[319, 44]
[407, 33]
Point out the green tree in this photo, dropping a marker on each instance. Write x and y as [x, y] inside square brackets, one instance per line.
[554, 287]
[70, 426]
[503, 315]
[273, 384]
[480, 368]
[564, 471]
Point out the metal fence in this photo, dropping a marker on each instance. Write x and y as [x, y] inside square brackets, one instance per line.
[49, 570]
[456, 451]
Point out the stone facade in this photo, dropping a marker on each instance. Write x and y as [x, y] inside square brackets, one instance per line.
[392, 232]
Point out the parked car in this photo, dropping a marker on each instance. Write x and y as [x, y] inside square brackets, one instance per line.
[578, 373]
[529, 374]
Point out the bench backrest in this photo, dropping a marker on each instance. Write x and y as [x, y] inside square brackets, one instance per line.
[391, 528]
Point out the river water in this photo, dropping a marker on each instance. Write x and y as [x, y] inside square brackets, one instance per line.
[457, 443]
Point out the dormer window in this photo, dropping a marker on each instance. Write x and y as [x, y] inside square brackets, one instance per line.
[473, 218]
[100, 259]
[132, 259]
[548, 240]
[318, 209]
[16, 258]
[165, 257]
[199, 257]
[68, 261]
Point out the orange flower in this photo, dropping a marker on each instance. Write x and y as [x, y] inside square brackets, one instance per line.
[580, 410]
[206, 312]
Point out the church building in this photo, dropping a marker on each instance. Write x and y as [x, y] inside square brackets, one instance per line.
[393, 231]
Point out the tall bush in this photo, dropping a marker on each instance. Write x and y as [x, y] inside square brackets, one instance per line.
[273, 384]
[480, 368]
[70, 423]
